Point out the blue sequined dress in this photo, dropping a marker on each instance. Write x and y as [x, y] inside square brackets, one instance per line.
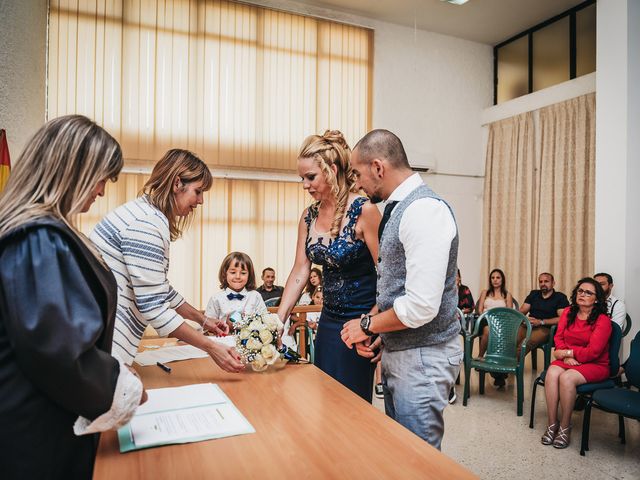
[349, 284]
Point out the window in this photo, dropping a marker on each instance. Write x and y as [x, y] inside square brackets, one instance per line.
[557, 50]
[551, 55]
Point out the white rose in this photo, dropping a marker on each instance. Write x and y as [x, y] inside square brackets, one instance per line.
[270, 354]
[245, 333]
[256, 325]
[272, 321]
[259, 364]
[254, 344]
[266, 336]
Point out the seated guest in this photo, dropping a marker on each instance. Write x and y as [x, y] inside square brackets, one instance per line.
[312, 318]
[268, 289]
[59, 384]
[616, 308]
[582, 353]
[465, 299]
[544, 308]
[315, 279]
[494, 296]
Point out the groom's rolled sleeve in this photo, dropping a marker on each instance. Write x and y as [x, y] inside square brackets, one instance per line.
[427, 229]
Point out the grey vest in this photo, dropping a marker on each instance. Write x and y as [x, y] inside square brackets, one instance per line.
[392, 275]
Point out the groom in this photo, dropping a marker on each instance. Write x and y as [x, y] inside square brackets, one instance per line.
[416, 290]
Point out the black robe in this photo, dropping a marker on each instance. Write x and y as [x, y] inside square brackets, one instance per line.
[57, 311]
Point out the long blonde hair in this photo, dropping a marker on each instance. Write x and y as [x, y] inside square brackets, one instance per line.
[57, 173]
[186, 166]
[332, 149]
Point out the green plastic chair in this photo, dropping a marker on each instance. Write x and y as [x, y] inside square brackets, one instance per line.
[464, 332]
[311, 347]
[621, 401]
[501, 357]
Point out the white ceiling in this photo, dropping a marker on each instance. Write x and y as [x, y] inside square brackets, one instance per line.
[484, 21]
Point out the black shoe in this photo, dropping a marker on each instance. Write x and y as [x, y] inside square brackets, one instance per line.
[499, 382]
[452, 395]
[379, 391]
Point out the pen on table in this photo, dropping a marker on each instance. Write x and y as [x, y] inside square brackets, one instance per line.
[164, 367]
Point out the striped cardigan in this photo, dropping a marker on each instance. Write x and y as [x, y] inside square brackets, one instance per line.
[134, 241]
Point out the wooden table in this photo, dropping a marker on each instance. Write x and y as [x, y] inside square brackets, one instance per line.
[307, 426]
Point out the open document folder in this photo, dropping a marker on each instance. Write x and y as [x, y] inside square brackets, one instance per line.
[182, 415]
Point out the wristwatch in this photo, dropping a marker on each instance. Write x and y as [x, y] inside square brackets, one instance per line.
[365, 323]
[542, 322]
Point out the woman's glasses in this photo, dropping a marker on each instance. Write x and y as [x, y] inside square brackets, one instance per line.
[586, 293]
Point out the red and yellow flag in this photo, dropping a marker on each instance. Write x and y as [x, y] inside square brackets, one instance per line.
[5, 161]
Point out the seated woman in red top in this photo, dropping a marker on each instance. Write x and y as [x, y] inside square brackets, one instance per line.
[582, 353]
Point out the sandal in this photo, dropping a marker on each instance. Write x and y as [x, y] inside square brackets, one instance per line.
[550, 435]
[562, 437]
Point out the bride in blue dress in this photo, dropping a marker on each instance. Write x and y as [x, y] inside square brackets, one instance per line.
[339, 232]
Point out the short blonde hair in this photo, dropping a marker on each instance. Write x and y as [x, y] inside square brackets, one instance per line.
[58, 171]
[331, 149]
[186, 166]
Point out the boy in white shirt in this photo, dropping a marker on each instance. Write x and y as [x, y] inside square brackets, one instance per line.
[238, 283]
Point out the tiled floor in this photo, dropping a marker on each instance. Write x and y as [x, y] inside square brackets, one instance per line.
[489, 438]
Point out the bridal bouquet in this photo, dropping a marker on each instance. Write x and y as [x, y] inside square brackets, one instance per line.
[256, 338]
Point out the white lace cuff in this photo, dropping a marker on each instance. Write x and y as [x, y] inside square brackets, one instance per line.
[126, 399]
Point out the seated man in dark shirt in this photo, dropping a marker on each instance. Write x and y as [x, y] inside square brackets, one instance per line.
[268, 289]
[544, 308]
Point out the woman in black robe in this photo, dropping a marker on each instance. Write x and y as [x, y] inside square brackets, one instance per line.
[59, 385]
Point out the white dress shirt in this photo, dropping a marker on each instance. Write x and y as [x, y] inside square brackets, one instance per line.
[619, 312]
[220, 306]
[427, 229]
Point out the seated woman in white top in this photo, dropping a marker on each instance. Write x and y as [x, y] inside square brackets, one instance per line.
[495, 296]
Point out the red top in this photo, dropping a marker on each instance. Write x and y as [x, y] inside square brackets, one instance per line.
[590, 343]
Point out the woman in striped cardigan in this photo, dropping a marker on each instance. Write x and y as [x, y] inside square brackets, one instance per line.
[134, 241]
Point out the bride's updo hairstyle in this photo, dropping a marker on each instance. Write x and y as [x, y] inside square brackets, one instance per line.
[332, 149]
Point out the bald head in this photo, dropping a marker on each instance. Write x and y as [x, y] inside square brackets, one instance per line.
[384, 145]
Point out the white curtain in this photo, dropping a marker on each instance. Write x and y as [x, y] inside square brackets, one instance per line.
[539, 198]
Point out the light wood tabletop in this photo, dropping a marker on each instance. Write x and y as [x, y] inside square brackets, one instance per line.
[307, 426]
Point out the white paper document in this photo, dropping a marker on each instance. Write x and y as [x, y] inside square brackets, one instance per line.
[189, 396]
[193, 423]
[169, 354]
[181, 415]
[178, 352]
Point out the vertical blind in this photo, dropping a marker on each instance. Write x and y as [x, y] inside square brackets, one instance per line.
[240, 85]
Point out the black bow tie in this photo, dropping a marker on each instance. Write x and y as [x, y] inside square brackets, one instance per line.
[385, 217]
[235, 296]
